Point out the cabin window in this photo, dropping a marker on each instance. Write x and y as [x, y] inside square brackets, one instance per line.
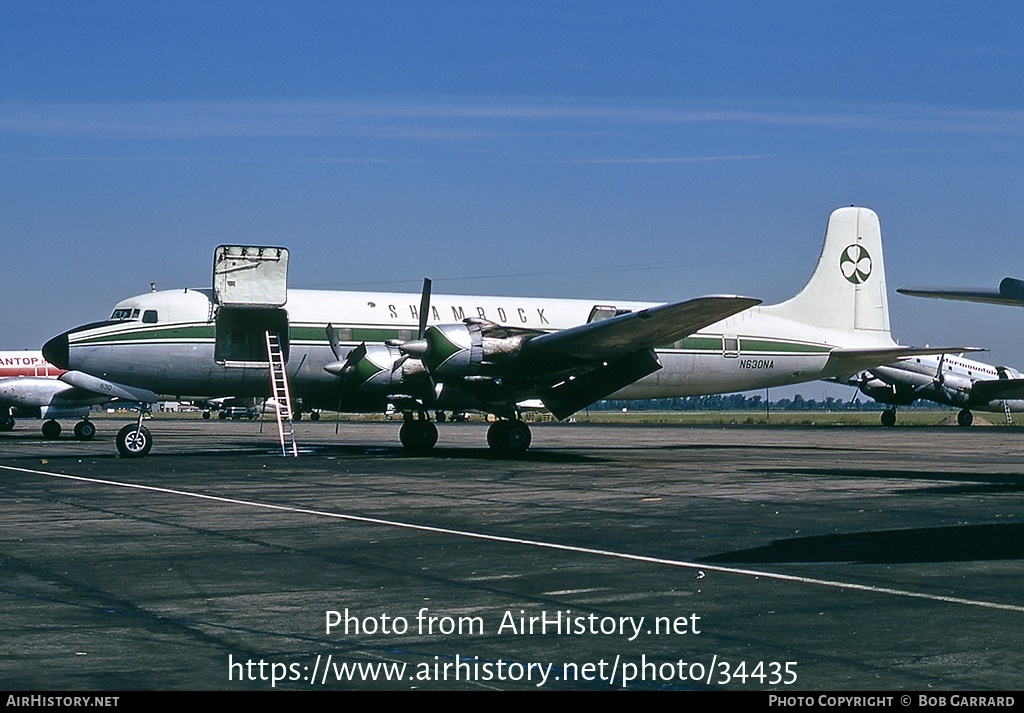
[149, 316]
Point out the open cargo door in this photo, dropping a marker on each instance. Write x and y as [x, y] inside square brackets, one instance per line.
[250, 289]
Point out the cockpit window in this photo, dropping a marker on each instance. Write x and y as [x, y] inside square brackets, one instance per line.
[122, 315]
[149, 316]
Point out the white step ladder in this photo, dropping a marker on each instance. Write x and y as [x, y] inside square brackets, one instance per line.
[279, 387]
[1006, 409]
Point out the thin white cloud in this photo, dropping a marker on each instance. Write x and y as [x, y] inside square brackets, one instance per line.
[446, 121]
[658, 160]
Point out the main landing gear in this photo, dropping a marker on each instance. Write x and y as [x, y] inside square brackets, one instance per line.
[418, 435]
[84, 429]
[963, 418]
[505, 437]
[509, 438]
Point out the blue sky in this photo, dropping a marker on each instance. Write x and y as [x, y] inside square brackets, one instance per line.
[653, 151]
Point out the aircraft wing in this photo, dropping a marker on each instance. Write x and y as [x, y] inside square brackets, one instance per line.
[845, 363]
[995, 389]
[648, 328]
[599, 358]
[1010, 292]
[110, 389]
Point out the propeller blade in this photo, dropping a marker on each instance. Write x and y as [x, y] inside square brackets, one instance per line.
[332, 337]
[354, 356]
[424, 307]
[341, 368]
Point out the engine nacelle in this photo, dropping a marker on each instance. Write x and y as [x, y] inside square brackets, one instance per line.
[380, 371]
[883, 392]
[956, 388]
[469, 348]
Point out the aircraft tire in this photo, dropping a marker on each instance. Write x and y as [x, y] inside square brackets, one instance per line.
[51, 429]
[509, 438]
[206, 415]
[495, 435]
[965, 418]
[418, 436]
[889, 417]
[6, 423]
[134, 442]
[85, 430]
[314, 416]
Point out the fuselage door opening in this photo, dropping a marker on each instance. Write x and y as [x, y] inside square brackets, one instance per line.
[250, 290]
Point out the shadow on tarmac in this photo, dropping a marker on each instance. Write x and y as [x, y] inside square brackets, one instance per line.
[957, 543]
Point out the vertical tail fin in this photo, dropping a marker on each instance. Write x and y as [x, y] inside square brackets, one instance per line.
[847, 290]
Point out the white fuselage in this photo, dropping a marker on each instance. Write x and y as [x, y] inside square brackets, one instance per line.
[948, 380]
[173, 352]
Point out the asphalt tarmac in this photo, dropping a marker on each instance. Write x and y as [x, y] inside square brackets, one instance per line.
[748, 558]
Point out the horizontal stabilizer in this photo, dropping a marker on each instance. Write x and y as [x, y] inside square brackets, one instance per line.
[995, 389]
[111, 390]
[1010, 292]
[845, 363]
[645, 329]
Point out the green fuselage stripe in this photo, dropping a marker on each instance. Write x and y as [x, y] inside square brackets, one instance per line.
[316, 335]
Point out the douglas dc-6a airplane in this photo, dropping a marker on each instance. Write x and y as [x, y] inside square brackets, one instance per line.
[30, 388]
[370, 351]
[945, 379]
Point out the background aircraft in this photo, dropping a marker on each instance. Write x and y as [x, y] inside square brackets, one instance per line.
[1010, 292]
[945, 379]
[30, 388]
[368, 351]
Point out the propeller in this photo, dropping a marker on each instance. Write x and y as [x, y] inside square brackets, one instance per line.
[339, 367]
[938, 381]
[417, 348]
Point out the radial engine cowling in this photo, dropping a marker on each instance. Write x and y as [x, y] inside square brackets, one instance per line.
[957, 388]
[451, 351]
[376, 370]
[877, 389]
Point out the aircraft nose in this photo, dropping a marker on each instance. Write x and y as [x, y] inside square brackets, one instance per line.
[55, 351]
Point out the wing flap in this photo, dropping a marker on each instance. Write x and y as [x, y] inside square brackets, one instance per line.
[570, 395]
[645, 329]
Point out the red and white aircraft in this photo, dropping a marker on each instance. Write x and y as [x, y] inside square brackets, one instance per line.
[30, 388]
